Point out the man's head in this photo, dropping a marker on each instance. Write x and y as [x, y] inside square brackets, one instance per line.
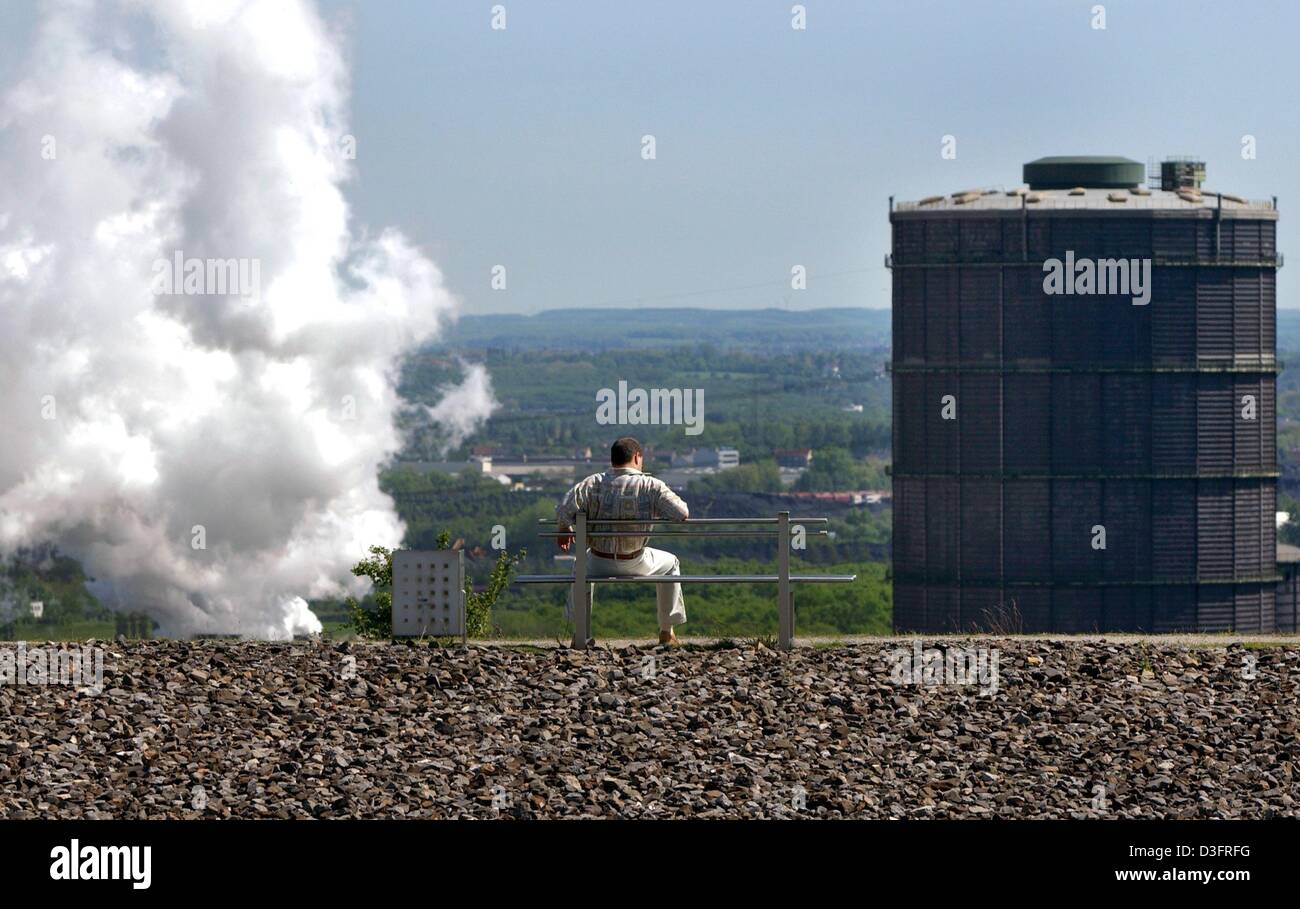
[626, 452]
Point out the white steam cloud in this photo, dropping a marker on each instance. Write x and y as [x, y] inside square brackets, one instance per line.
[463, 407]
[212, 453]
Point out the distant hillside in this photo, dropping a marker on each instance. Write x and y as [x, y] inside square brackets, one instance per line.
[755, 329]
[1288, 329]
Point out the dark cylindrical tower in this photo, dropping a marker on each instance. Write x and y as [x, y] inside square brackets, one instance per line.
[1074, 451]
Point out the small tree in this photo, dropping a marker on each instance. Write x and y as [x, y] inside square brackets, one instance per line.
[378, 622]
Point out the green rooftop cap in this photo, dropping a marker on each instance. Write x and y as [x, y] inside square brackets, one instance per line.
[1089, 171]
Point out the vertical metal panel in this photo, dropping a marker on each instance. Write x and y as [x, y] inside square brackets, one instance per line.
[909, 241]
[1247, 311]
[981, 607]
[1126, 512]
[909, 606]
[981, 423]
[909, 525]
[1247, 538]
[943, 608]
[941, 528]
[1173, 530]
[909, 316]
[1027, 401]
[1040, 238]
[1246, 297]
[1076, 509]
[1246, 236]
[1173, 317]
[1214, 340]
[1173, 423]
[1077, 610]
[1268, 423]
[1248, 609]
[1118, 324]
[1267, 239]
[981, 516]
[1129, 238]
[941, 238]
[1013, 240]
[1267, 607]
[1173, 238]
[1027, 328]
[1084, 236]
[1173, 609]
[1126, 423]
[910, 406]
[1268, 313]
[1027, 554]
[1035, 607]
[1076, 422]
[1268, 525]
[1214, 424]
[1214, 525]
[941, 316]
[1203, 234]
[1248, 435]
[1143, 609]
[1076, 330]
[981, 239]
[1118, 610]
[1215, 608]
[980, 341]
[942, 437]
[1288, 593]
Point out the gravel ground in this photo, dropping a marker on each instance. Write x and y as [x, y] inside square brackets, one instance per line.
[1077, 728]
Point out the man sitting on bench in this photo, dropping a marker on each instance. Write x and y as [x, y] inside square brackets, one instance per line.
[624, 492]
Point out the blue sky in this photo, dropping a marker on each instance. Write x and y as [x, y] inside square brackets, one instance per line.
[775, 147]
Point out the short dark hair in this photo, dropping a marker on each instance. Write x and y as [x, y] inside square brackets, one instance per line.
[623, 451]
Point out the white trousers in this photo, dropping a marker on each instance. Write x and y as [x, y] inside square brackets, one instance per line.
[672, 608]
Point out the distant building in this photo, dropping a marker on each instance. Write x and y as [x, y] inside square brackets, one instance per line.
[1096, 474]
[721, 458]
[654, 456]
[561, 468]
[865, 497]
[793, 457]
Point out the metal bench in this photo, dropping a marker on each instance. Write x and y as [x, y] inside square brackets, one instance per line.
[784, 580]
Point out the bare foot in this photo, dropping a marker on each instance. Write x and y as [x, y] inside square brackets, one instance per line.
[668, 638]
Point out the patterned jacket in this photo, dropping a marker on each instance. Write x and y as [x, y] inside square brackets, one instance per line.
[623, 493]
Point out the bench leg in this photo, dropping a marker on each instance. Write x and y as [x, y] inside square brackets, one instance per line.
[784, 600]
[581, 589]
